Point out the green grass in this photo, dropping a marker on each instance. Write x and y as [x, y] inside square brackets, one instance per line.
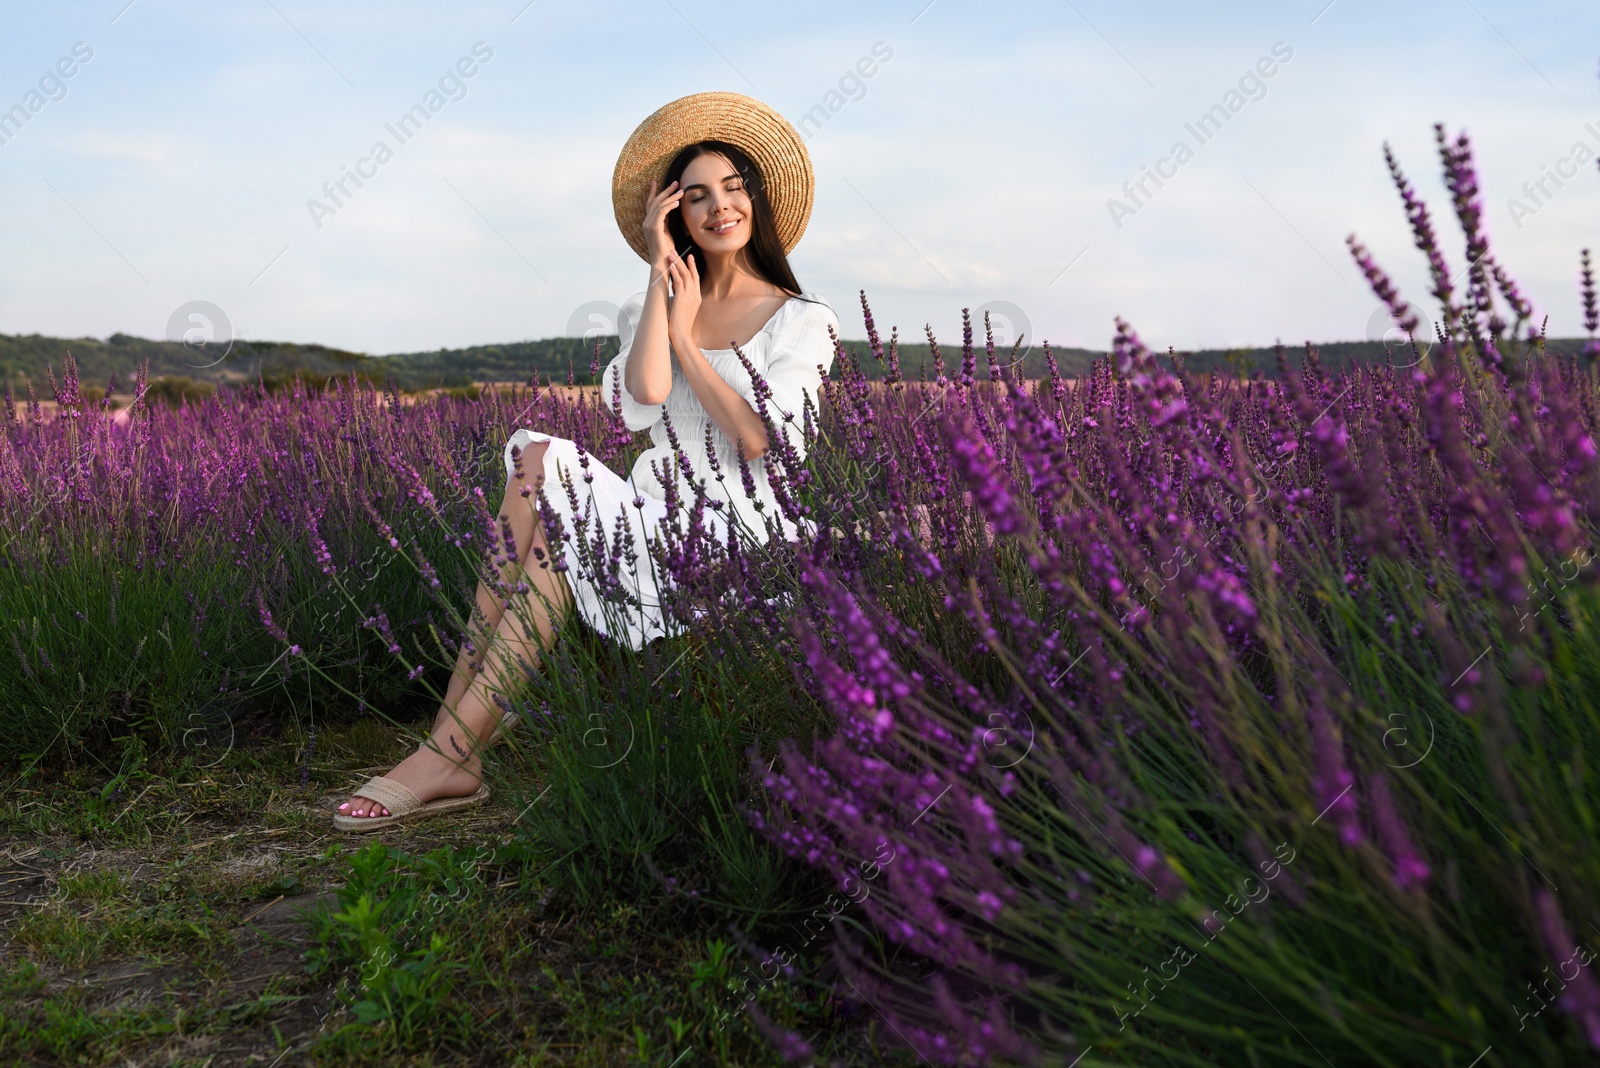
[192, 915]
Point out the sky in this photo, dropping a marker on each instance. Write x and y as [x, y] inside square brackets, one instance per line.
[990, 160]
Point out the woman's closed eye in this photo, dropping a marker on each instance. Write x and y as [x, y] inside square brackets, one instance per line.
[699, 194]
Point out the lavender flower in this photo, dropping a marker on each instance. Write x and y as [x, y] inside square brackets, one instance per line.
[1591, 311]
[1580, 997]
[974, 459]
[1410, 870]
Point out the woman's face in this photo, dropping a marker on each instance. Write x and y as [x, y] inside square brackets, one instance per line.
[716, 209]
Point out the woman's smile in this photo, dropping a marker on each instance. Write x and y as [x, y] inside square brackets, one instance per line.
[724, 225]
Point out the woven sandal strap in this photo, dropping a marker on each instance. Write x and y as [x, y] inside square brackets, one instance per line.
[390, 794]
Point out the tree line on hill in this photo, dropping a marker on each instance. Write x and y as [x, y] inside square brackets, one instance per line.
[180, 370]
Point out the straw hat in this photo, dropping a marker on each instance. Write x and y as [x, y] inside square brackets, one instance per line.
[764, 135]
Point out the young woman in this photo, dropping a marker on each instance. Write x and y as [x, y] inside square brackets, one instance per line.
[713, 190]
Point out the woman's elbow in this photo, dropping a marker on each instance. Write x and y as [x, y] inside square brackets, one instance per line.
[755, 448]
[648, 397]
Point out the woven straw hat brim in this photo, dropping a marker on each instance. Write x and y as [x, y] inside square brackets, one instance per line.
[764, 135]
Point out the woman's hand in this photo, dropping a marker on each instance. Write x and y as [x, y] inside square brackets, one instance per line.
[685, 303]
[656, 209]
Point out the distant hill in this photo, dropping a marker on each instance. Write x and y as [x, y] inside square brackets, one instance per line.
[1334, 356]
[1072, 362]
[25, 358]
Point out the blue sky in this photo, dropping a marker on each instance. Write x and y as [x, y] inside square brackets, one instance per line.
[975, 166]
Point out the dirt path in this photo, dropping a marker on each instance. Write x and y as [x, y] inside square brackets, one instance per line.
[168, 925]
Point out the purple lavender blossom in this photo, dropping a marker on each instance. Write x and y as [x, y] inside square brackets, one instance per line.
[1591, 309]
[1410, 870]
[1581, 995]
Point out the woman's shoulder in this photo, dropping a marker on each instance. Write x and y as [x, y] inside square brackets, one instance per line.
[813, 298]
[811, 310]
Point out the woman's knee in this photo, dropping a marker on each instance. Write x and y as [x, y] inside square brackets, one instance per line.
[529, 473]
[519, 507]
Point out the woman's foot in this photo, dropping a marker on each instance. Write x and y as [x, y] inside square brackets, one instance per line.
[429, 774]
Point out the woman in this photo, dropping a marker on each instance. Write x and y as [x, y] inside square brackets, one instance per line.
[713, 190]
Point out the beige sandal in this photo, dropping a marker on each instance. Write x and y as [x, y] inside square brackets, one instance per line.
[402, 805]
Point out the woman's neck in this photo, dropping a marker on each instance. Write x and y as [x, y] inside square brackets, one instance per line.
[729, 274]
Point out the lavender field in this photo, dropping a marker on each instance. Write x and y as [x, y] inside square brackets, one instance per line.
[1145, 717]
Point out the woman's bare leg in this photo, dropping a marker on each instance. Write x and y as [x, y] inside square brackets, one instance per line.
[521, 512]
[450, 762]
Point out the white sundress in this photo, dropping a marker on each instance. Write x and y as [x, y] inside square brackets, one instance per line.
[792, 353]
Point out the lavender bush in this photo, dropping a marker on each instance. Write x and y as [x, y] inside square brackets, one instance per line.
[154, 559]
[1240, 721]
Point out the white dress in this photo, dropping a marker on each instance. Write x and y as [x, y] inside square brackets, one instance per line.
[792, 353]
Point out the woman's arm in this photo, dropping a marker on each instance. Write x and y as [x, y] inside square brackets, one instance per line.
[647, 374]
[726, 407]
